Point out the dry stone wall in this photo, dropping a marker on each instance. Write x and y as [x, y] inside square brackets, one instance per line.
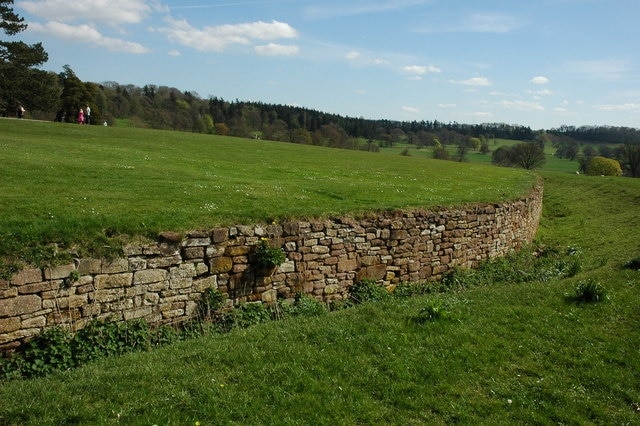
[162, 282]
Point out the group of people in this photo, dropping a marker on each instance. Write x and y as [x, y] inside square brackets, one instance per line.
[84, 116]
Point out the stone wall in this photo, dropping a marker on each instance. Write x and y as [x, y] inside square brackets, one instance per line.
[163, 281]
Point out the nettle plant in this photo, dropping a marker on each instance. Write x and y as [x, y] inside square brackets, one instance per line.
[269, 256]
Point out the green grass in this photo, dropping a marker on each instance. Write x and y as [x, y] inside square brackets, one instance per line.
[70, 184]
[506, 353]
[552, 163]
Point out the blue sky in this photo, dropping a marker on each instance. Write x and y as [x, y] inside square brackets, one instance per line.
[539, 63]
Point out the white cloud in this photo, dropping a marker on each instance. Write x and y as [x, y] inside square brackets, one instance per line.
[112, 12]
[630, 106]
[474, 81]
[218, 38]
[416, 71]
[491, 23]
[411, 110]
[380, 61]
[325, 11]
[274, 49]
[481, 114]
[598, 69]
[539, 80]
[447, 105]
[522, 105]
[352, 55]
[174, 52]
[87, 34]
[543, 92]
[496, 23]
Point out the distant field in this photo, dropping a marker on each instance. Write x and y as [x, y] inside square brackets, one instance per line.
[67, 183]
[553, 164]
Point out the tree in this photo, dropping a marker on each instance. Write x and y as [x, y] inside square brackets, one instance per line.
[528, 155]
[629, 156]
[19, 80]
[74, 94]
[600, 166]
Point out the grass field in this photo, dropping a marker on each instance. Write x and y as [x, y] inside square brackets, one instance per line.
[77, 185]
[508, 354]
[553, 163]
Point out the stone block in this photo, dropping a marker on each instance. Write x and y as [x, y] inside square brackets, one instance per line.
[8, 325]
[39, 287]
[27, 276]
[89, 266]
[164, 262]
[59, 272]
[137, 313]
[219, 235]
[185, 270]
[347, 265]
[269, 296]
[220, 265]
[149, 276]
[20, 305]
[113, 281]
[191, 253]
[115, 266]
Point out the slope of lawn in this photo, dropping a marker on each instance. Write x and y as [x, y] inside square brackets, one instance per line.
[506, 353]
[66, 184]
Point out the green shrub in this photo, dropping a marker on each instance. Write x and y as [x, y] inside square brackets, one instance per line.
[211, 301]
[269, 256]
[48, 352]
[434, 310]
[601, 166]
[303, 305]
[367, 291]
[532, 263]
[588, 291]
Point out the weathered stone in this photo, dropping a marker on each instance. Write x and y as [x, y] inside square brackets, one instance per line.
[27, 276]
[137, 313]
[347, 265]
[7, 325]
[113, 281]
[185, 270]
[149, 276]
[39, 287]
[59, 272]
[115, 266]
[89, 266]
[190, 253]
[374, 272]
[20, 305]
[164, 262]
[331, 289]
[270, 296]
[221, 265]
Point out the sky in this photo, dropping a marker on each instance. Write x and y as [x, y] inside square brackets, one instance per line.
[537, 63]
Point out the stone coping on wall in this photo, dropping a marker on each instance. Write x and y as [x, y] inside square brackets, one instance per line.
[163, 281]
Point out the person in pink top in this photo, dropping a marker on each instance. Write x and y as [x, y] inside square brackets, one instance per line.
[81, 117]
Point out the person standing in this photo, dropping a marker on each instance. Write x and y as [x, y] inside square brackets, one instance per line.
[20, 111]
[81, 116]
[87, 115]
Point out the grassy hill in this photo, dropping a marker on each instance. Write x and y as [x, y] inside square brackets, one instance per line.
[508, 354]
[80, 186]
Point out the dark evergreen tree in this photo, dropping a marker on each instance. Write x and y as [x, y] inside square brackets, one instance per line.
[21, 83]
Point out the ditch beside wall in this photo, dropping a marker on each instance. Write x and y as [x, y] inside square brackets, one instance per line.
[163, 281]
